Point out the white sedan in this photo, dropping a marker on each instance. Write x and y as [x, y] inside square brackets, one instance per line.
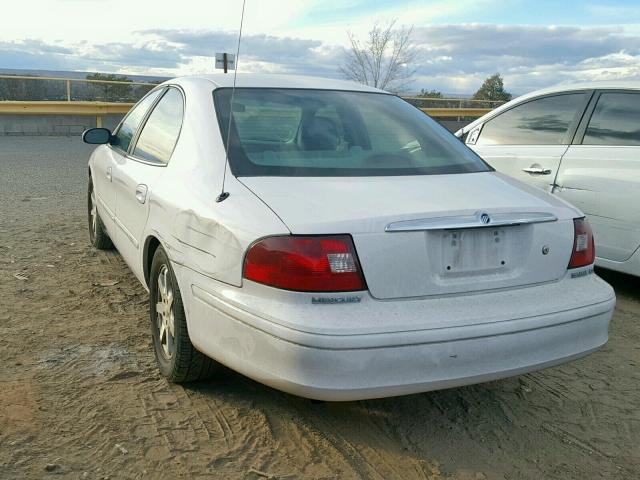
[349, 248]
[582, 143]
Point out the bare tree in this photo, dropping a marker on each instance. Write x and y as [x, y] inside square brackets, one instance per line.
[383, 60]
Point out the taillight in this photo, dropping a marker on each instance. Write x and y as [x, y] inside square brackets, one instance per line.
[305, 264]
[584, 251]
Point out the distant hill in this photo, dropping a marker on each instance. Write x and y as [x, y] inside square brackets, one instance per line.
[65, 74]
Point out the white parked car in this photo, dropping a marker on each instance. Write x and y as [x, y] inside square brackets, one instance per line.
[352, 248]
[581, 143]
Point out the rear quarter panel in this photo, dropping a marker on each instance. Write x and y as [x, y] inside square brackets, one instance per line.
[196, 231]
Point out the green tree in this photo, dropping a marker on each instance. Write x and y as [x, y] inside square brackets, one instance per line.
[111, 92]
[430, 93]
[493, 89]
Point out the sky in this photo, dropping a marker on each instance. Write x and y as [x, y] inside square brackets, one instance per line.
[533, 44]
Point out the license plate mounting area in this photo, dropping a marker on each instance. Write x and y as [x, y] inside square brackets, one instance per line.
[474, 250]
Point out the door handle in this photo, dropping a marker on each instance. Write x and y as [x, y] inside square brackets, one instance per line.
[109, 173]
[537, 170]
[141, 193]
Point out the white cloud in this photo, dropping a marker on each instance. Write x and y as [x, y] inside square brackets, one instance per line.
[70, 21]
[284, 36]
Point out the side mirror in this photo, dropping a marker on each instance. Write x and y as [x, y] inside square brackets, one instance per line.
[96, 136]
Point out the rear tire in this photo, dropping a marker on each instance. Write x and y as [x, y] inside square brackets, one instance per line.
[177, 358]
[98, 235]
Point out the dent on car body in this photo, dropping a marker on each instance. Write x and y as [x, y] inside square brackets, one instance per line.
[203, 239]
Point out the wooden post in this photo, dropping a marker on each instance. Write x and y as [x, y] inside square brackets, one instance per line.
[68, 90]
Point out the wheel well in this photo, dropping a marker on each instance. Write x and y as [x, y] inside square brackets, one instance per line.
[150, 247]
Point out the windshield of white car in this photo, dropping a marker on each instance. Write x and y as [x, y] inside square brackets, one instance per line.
[296, 132]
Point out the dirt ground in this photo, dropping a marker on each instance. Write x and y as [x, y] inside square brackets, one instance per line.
[80, 396]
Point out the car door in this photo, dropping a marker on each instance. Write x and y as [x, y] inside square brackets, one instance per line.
[139, 171]
[110, 156]
[528, 140]
[102, 163]
[600, 173]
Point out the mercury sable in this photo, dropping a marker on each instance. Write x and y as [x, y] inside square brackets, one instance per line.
[350, 248]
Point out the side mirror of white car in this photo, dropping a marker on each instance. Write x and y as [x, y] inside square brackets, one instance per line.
[96, 136]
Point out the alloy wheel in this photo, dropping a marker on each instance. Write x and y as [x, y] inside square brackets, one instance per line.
[164, 312]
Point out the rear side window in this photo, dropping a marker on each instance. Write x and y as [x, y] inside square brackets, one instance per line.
[615, 120]
[544, 121]
[160, 134]
[294, 132]
[122, 138]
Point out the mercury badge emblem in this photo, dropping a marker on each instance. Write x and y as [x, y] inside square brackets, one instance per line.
[335, 300]
[485, 218]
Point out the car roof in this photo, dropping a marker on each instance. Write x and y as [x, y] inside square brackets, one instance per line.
[566, 87]
[602, 85]
[262, 80]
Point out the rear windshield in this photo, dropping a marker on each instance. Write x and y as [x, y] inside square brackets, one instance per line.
[287, 132]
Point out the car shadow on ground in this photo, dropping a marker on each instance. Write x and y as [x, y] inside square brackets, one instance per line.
[623, 284]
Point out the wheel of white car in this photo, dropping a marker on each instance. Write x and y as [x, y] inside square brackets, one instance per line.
[177, 358]
[97, 233]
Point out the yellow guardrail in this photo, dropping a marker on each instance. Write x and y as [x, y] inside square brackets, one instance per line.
[105, 108]
[64, 108]
[97, 109]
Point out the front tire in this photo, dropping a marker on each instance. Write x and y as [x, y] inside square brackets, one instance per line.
[177, 358]
[97, 234]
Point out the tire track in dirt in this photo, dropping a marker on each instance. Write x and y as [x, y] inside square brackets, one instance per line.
[349, 433]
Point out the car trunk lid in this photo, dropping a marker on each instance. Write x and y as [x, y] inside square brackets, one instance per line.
[428, 235]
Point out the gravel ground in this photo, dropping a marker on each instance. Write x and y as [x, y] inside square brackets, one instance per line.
[80, 396]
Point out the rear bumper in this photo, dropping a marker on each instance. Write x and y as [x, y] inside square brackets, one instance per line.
[356, 362]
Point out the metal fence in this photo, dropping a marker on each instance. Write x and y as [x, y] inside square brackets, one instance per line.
[38, 89]
[23, 94]
[454, 103]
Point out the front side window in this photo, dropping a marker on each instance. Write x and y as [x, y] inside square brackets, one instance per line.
[290, 132]
[544, 121]
[615, 121]
[160, 134]
[122, 138]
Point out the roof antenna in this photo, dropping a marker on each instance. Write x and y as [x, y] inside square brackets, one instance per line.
[224, 195]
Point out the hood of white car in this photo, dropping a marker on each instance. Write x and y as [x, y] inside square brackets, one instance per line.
[311, 205]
